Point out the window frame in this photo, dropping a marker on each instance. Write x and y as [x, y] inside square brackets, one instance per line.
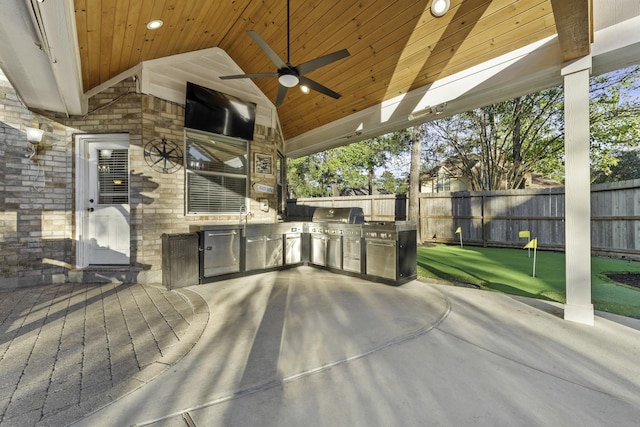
[201, 138]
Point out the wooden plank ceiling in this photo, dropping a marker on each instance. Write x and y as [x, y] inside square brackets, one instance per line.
[395, 45]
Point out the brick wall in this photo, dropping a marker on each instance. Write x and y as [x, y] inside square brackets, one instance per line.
[37, 222]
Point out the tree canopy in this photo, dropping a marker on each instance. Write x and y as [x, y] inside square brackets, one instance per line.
[492, 147]
[351, 166]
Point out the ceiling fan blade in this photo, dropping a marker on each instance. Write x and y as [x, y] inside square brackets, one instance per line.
[318, 87]
[273, 56]
[282, 92]
[314, 64]
[249, 76]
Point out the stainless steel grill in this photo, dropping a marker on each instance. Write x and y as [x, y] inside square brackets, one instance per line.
[340, 215]
[326, 231]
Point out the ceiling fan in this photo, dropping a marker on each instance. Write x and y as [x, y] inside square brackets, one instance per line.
[289, 75]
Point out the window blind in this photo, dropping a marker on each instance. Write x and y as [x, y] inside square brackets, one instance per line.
[215, 193]
[113, 177]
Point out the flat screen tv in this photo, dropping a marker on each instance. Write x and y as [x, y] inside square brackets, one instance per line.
[215, 112]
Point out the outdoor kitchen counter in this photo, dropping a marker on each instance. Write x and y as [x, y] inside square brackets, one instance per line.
[232, 250]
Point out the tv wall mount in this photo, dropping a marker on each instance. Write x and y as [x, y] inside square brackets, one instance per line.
[163, 156]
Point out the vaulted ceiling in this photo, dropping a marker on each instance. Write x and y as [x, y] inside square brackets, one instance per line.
[395, 45]
[406, 66]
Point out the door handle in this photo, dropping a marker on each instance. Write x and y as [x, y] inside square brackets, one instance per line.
[90, 210]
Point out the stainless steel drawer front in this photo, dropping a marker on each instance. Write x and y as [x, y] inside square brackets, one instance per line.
[319, 249]
[351, 254]
[255, 253]
[273, 247]
[293, 250]
[334, 252]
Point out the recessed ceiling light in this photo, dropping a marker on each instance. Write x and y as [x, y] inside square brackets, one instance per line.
[304, 89]
[440, 7]
[155, 24]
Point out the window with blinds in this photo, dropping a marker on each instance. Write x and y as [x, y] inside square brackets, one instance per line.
[113, 177]
[216, 173]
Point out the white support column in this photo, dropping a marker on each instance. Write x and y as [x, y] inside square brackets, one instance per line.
[578, 307]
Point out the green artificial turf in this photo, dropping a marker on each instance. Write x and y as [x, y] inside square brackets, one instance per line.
[510, 271]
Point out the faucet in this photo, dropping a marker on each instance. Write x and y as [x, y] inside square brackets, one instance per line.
[243, 209]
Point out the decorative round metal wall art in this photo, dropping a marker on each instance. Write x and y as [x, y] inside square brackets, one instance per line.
[163, 156]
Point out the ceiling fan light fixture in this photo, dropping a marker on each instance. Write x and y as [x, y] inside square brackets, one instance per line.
[440, 7]
[288, 80]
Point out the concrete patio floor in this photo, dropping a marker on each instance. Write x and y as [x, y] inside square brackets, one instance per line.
[309, 347]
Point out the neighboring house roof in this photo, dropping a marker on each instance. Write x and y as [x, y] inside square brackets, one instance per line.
[537, 180]
[361, 191]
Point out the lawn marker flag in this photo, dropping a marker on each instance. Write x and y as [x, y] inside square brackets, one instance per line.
[533, 244]
[459, 231]
[525, 234]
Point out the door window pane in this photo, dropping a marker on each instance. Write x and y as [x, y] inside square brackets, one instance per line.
[113, 177]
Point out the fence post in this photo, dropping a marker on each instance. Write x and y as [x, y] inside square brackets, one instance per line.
[484, 233]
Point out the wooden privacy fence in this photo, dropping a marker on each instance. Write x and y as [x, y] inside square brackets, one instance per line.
[495, 218]
[615, 218]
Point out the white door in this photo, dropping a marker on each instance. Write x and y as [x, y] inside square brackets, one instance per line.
[102, 200]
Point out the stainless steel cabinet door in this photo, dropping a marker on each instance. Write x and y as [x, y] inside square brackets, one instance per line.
[221, 252]
[381, 258]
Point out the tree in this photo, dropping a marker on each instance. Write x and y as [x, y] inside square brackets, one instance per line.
[625, 167]
[392, 184]
[495, 146]
[498, 145]
[308, 177]
[351, 166]
[414, 178]
[615, 122]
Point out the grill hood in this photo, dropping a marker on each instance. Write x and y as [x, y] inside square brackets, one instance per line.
[339, 215]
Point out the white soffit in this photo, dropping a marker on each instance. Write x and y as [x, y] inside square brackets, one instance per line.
[26, 66]
[167, 78]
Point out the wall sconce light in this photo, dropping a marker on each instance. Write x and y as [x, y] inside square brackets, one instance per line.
[420, 113]
[438, 109]
[34, 136]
